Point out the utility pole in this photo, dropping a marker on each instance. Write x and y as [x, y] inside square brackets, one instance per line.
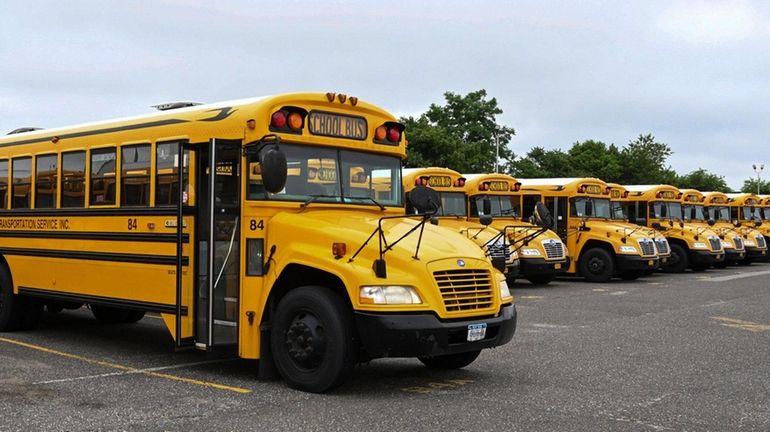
[497, 153]
[759, 173]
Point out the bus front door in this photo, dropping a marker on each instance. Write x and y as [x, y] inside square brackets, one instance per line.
[218, 281]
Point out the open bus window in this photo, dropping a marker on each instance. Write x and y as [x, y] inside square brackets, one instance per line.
[22, 182]
[45, 180]
[102, 177]
[135, 175]
[4, 184]
[73, 184]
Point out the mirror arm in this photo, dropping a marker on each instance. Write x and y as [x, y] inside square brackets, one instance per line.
[255, 147]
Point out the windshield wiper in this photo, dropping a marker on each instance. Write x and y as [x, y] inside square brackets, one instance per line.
[314, 198]
[382, 207]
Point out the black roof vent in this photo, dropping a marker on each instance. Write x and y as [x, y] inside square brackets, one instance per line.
[23, 129]
[175, 105]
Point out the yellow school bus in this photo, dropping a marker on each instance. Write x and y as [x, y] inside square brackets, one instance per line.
[660, 207]
[208, 215]
[619, 211]
[542, 254]
[581, 208]
[452, 214]
[744, 212]
[695, 212]
[764, 212]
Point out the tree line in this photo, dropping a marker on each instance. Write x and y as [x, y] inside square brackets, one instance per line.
[463, 134]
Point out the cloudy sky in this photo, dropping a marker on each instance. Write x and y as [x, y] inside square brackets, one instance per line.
[693, 73]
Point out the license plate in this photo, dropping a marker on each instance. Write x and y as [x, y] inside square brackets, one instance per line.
[650, 263]
[557, 266]
[476, 332]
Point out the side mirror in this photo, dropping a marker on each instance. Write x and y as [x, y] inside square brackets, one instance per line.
[711, 222]
[486, 206]
[274, 169]
[434, 220]
[757, 223]
[424, 200]
[541, 216]
[485, 219]
[657, 225]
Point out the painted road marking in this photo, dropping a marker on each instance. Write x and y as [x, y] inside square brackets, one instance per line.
[125, 368]
[599, 290]
[735, 276]
[741, 324]
[137, 371]
[618, 293]
[530, 297]
[433, 386]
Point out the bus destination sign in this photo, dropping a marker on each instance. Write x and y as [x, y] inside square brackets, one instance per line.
[440, 181]
[337, 125]
[593, 189]
[498, 186]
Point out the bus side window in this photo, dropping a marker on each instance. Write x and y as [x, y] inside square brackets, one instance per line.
[102, 177]
[73, 182]
[4, 184]
[135, 175]
[22, 182]
[46, 180]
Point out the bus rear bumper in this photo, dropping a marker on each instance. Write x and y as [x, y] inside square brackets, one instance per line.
[635, 262]
[423, 334]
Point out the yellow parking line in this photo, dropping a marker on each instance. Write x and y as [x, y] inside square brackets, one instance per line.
[741, 324]
[125, 368]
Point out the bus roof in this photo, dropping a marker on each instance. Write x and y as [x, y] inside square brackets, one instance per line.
[691, 196]
[472, 182]
[437, 177]
[242, 109]
[714, 197]
[744, 198]
[559, 181]
[650, 192]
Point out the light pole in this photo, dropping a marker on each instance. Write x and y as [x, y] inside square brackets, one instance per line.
[759, 173]
[497, 153]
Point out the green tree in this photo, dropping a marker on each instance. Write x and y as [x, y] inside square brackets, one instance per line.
[595, 159]
[750, 185]
[702, 180]
[460, 135]
[644, 161]
[539, 163]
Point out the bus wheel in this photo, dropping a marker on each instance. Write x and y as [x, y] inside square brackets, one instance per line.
[109, 315]
[133, 316]
[543, 279]
[596, 265]
[450, 361]
[312, 339]
[678, 262]
[11, 305]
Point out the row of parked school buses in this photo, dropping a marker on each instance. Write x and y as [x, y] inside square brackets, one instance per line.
[597, 230]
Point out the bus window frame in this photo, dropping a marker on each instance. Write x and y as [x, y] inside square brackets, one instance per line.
[4, 204]
[126, 177]
[13, 185]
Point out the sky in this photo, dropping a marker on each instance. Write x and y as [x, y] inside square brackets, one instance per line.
[693, 73]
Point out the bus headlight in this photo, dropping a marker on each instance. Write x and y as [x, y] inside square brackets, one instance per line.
[530, 252]
[627, 249]
[388, 294]
[505, 292]
[699, 245]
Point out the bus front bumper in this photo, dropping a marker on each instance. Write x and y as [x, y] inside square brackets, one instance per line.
[706, 257]
[424, 334]
[755, 254]
[733, 256]
[636, 262]
[541, 266]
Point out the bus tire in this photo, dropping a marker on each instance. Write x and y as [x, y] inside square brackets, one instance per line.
[450, 361]
[597, 265]
[543, 279]
[313, 339]
[133, 316]
[11, 305]
[679, 261]
[109, 315]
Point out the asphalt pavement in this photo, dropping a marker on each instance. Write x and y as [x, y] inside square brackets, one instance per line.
[665, 352]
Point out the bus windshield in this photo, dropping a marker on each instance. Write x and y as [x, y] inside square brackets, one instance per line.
[721, 213]
[766, 212]
[333, 175]
[618, 211]
[748, 213]
[694, 212]
[666, 210]
[502, 205]
[591, 207]
[452, 204]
